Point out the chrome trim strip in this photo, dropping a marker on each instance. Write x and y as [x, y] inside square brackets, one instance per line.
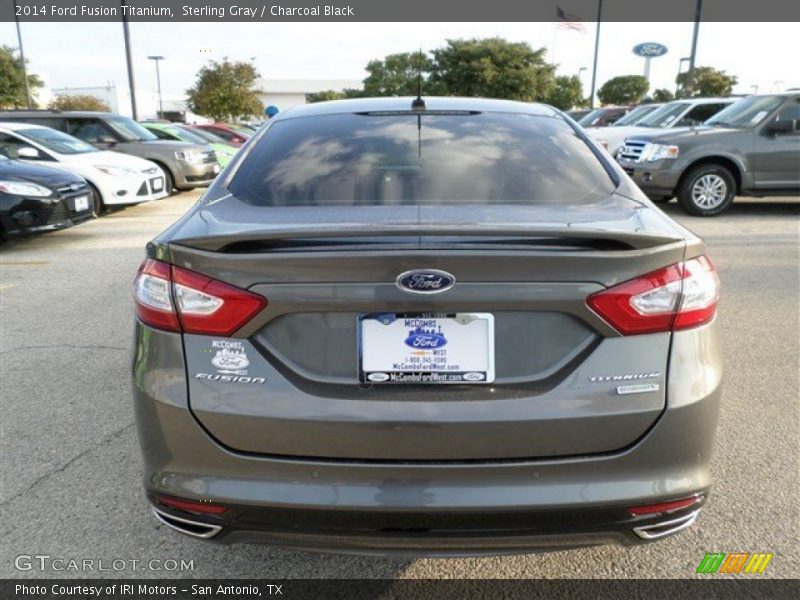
[167, 518]
[683, 522]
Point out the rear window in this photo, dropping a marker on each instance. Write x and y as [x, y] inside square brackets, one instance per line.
[428, 159]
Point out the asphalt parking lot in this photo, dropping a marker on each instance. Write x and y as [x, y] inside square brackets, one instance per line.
[70, 458]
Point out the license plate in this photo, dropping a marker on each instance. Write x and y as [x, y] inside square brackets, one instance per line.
[157, 184]
[427, 348]
[81, 203]
[216, 169]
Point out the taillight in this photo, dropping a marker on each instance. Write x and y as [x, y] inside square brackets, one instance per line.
[151, 291]
[176, 299]
[675, 297]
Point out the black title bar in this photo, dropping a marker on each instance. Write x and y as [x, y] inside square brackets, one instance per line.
[396, 10]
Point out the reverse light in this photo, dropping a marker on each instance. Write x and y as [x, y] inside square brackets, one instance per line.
[176, 299]
[676, 297]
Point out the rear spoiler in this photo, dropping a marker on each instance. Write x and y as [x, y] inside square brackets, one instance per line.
[289, 233]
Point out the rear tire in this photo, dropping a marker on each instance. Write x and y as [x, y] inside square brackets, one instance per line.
[707, 190]
[98, 206]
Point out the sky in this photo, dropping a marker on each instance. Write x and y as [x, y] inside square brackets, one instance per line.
[92, 54]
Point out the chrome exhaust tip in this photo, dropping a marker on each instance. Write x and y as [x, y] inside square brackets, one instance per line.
[663, 528]
[197, 529]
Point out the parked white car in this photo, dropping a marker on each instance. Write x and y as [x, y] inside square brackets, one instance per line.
[680, 113]
[114, 178]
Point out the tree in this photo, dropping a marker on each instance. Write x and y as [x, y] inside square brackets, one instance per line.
[226, 91]
[493, 68]
[399, 75]
[78, 102]
[625, 89]
[326, 95]
[663, 95]
[12, 80]
[566, 93]
[707, 81]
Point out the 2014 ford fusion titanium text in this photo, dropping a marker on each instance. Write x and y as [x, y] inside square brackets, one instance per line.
[440, 326]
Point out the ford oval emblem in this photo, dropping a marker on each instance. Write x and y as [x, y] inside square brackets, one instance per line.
[230, 361]
[425, 281]
[426, 337]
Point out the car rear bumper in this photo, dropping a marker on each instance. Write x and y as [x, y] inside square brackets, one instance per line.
[491, 507]
[429, 533]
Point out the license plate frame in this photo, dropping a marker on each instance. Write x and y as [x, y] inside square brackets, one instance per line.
[412, 348]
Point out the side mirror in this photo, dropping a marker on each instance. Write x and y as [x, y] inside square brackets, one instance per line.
[28, 152]
[779, 127]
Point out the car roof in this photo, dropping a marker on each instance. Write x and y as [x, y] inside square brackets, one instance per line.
[58, 113]
[706, 100]
[17, 125]
[393, 104]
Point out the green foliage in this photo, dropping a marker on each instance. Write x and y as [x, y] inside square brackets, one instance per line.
[399, 75]
[492, 68]
[78, 102]
[708, 81]
[566, 93]
[12, 81]
[663, 95]
[333, 95]
[226, 91]
[324, 96]
[625, 89]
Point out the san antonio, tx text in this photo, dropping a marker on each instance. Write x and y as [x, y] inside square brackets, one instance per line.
[130, 589]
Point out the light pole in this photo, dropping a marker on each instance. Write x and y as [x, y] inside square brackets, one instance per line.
[698, 13]
[596, 48]
[158, 81]
[22, 59]
[680, 70]
[128, 60]
[580, 81]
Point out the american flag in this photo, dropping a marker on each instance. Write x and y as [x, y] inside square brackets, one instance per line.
[568, 21]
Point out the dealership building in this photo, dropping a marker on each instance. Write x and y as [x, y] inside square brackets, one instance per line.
[285, 93]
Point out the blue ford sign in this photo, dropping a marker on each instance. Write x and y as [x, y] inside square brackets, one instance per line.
[425, 281]
[649, 49]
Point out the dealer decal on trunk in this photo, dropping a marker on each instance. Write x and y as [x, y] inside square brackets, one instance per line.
[231, 362]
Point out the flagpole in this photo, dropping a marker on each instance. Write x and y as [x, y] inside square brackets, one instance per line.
[596, 48]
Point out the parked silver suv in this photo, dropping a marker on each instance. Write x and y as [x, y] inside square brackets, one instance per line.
[185, 165]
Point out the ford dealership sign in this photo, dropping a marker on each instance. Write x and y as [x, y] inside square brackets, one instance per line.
[649, 49]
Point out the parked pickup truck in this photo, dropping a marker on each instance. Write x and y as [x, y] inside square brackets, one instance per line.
[750, 148]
